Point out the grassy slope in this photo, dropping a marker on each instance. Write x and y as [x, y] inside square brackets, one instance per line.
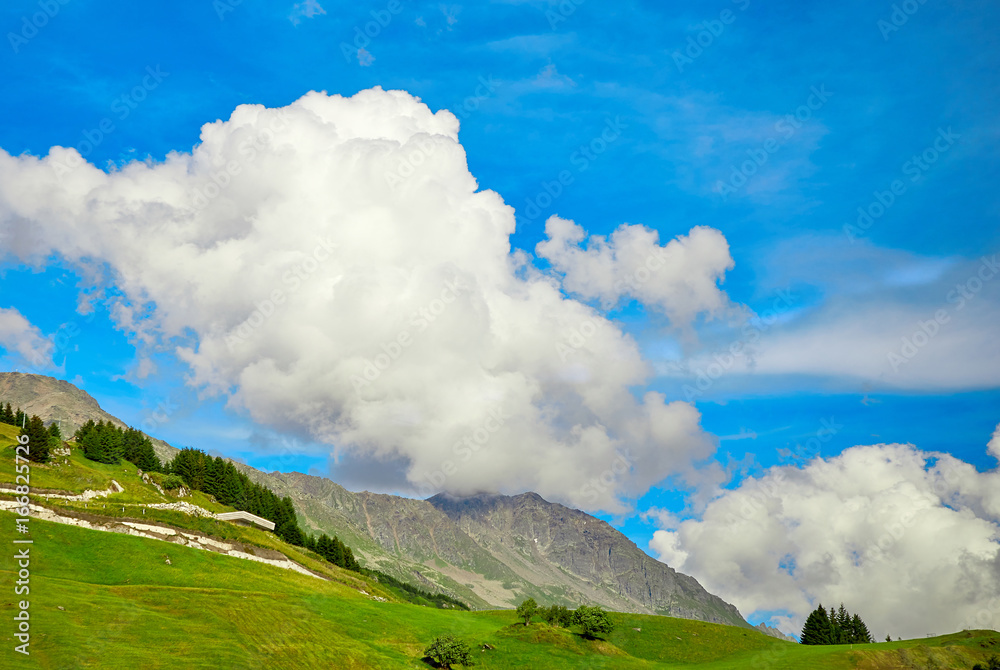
[125, 607]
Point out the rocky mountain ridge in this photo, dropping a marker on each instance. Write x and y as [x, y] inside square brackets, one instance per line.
[490, 550]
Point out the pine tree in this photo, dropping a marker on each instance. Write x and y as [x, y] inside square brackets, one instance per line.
[91, 443]
[842, 626]
[859, 631]
[55, 436]
[111, 442]
[83, 430]
[817, 629]
[148, 460]
[7, 414]
[337, 552]
[350, 563]
[38, 439]
[214, 468]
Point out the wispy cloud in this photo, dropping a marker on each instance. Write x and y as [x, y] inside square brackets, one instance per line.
[305, 10]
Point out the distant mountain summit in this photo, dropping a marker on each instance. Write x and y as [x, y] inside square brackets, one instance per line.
[549, 544]
[489, 550]
[774, 632]
[55, 400]
[52, 399]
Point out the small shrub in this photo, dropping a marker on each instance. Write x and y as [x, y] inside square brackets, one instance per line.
[171, 482]
[447, 651]
[593, 621]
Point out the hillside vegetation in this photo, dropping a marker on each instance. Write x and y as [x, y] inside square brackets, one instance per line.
[123, 601]
[103, 600]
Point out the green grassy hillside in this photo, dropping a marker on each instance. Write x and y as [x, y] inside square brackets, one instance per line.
[125, 607]
[107, 600]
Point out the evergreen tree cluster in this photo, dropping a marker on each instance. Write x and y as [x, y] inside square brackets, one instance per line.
[834, 627]
[107, 443]
[221, 479]
[333, 550]
[229, 486]
[11, 417]
[41, 440]
[411, 593]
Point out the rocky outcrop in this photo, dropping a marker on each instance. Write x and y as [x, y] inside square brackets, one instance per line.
[86, 496]
[167, 534]
[551, 543]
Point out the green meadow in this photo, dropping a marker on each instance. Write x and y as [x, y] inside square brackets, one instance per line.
[125, 607]
[108, 600]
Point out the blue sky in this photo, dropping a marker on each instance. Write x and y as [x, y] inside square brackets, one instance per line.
[785, 120]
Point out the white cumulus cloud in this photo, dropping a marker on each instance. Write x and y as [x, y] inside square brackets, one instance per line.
[23, 340]
[680, 278]
[907, 539]
[333, 269]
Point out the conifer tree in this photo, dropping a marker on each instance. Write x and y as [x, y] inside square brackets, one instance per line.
[7, 414]
[111, 442]
[337, 556]
[350, 563]
[55, 436]
[817, 629]
[38, 439]
[83, 430]
[859, 631]
[92, 448]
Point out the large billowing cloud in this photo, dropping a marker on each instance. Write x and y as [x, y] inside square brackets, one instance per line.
[24, 341]
[909, 540]
[332, 267]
